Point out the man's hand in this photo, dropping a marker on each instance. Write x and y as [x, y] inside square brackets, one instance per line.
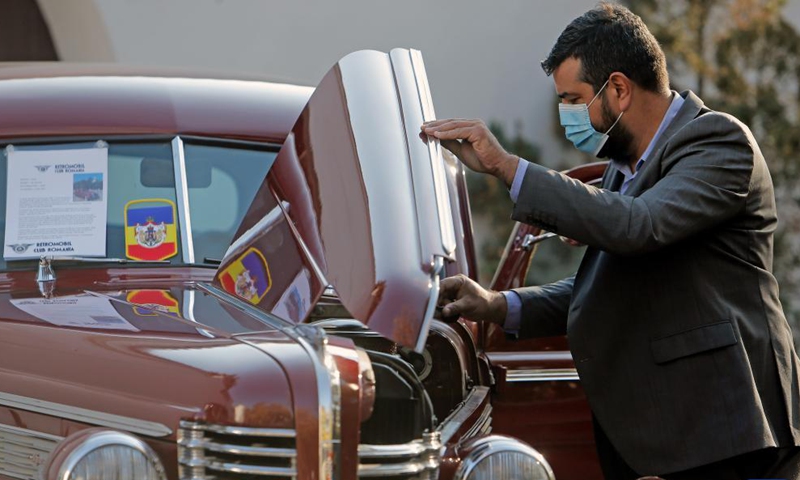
[460, 296]
[476, 146]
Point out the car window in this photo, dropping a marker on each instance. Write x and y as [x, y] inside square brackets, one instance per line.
[553, 261]
[129, 179]
[222, 181]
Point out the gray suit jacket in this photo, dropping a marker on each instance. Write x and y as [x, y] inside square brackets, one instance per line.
[673, 317]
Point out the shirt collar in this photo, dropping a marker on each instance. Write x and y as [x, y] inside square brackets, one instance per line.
[672, 111]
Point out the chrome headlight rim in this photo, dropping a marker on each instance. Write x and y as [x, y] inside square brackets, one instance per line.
[481, 448]
[95, 439]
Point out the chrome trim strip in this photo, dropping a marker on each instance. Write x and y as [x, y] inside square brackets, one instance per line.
[182, 195]
[245, 431]
[433, 299]
[299, 239]
[461, 414]
[23, 451]
[382, 460]
[542, 375]
[403, 450]
[483, 426]
[270, 452]
[252, 469]
[390, 469]
[32, 434]
[134, 425]
[435, 152]
[196, 452]
[313, 340]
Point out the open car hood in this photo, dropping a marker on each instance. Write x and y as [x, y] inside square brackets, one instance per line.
[357, 200]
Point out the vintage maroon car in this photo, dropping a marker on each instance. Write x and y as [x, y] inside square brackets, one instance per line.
[233, 278]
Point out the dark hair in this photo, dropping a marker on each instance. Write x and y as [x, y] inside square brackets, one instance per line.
[610, 38]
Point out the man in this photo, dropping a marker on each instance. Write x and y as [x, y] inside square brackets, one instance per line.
[673, 317]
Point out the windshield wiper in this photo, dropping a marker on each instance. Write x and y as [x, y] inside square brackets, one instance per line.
[46, 276]
[212, 261]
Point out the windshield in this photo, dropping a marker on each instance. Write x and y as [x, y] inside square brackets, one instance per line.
[146, 215]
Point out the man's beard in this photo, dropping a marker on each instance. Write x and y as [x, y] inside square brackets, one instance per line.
[619, 145]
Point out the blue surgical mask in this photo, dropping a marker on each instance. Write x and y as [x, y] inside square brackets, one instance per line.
[578, 126]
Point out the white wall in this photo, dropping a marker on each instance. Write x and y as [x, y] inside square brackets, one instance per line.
[482, 56]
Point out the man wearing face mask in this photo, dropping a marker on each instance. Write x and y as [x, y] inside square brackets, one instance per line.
[673, 317]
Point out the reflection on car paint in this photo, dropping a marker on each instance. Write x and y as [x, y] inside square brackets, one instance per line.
[248, 276]
[151, 302]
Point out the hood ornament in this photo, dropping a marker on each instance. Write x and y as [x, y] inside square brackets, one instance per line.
[46, 277]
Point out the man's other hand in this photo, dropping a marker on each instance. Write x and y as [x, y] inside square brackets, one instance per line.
[460, 296]
[475, 145]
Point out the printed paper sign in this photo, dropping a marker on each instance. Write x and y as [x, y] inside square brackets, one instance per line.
[56, 203]
[82, 311]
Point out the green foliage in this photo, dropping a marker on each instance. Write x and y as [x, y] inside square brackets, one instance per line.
[743, 57]
[491, 206]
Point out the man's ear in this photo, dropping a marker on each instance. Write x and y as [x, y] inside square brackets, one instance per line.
[621, 88]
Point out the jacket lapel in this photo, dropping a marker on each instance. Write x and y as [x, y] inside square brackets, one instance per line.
[691, 107]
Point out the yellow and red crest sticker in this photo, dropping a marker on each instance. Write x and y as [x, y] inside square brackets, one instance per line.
[149, 303]
[150, 229]
[247, 277]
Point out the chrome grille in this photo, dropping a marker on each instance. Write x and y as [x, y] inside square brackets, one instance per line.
[417, 460]
[225, 452]
[483, 426]
[22, 452]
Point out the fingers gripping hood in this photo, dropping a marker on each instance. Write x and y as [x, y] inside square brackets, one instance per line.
[360, 197]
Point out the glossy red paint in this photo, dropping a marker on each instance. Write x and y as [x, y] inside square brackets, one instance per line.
[112, 370]
[353, 403]
[554, 416]
[170, 370]
[295, 285]
[302, 381]
[359, 198]
[44, 100]
[455, 452]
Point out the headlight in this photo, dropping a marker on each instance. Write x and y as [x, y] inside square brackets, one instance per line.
[502, 458]
[97, 454]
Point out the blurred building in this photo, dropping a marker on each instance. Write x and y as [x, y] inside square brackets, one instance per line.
[482, 57]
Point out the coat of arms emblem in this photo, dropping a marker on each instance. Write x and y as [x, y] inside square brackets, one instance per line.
[151, 234]
[150, 229]
[247, 277]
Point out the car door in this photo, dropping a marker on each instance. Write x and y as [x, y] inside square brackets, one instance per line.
[537, 395]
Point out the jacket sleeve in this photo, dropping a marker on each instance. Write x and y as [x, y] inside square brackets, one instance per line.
[544, 309]
[704, 180]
